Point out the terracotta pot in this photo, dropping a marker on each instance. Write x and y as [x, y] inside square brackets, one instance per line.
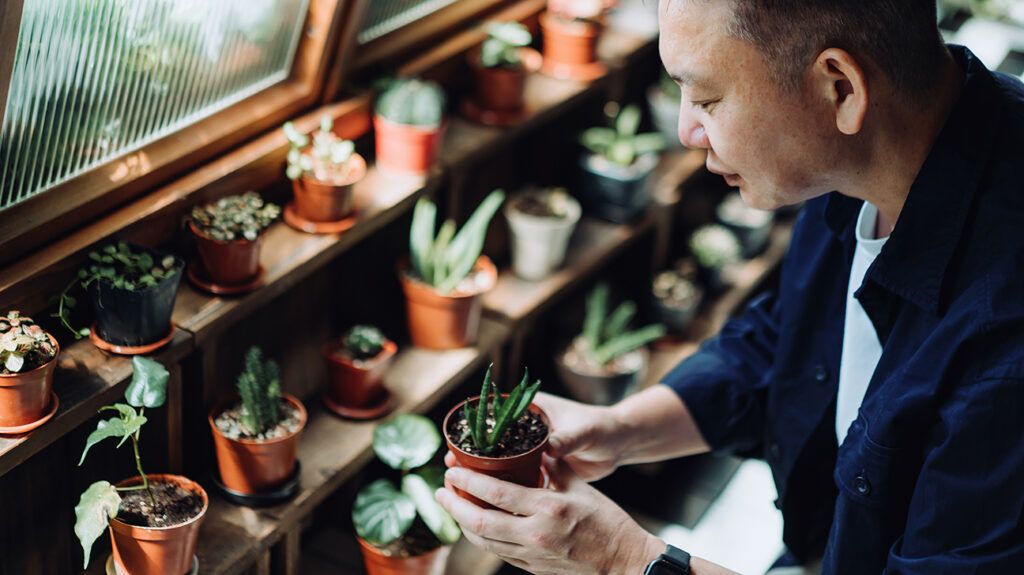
[448, 321]
[158, 550]
[252, 467]
[320, 201]
[353, 385]
[405, 149]
[228, 263]
[430, 563]
[569, 42]
[501, 88]
[523, 469]
[25, 397]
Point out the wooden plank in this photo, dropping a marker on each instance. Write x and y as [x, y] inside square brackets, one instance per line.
[286, 556]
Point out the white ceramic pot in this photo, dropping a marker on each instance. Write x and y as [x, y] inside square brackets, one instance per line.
[538, 243]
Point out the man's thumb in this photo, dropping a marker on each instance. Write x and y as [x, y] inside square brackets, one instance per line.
[562, 445]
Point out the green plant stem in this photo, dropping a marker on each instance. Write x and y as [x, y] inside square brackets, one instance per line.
[138, 462]
[62, 313]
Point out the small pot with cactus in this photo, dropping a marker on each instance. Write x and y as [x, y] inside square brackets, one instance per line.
[616, 163]
[256, 433]
[542, 221]
[499, 434]
[229, 233]
[717, 251]
[28, 356]
[153, 519]
[356, 365]
[676, 296]
[751, 226]
[446, 275]
[571, 30]
[608, 360]
[401, 528]
[323, 169]
[664, 98]
[408, 124]
[133, 291]
[500, 67]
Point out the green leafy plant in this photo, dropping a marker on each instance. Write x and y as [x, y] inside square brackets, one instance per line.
[446, 259]
[383, 513]
[622, 144]
[608, 336]
[503, 411]
[23, 344]
[100, 502]
[579, 10]
[715, 246]
[259, 385]
[501, 48]
[121, 266]
[240, 217]
[329, 157]
[412, 102]
[364, 341]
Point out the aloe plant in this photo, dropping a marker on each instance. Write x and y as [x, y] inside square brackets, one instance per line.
[259, 385]
[446, 259]
[622, 144]
[501, 48]
[383, 513]
[608, 337]
[503, 411]
[412, 102]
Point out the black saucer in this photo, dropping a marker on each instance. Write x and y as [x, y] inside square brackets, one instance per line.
[286, 491]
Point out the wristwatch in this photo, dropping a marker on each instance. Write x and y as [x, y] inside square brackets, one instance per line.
[673, 561]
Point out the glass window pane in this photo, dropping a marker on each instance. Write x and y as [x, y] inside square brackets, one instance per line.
[94, 79]
[384, 16]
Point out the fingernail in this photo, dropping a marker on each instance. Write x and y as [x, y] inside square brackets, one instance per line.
[452, 474]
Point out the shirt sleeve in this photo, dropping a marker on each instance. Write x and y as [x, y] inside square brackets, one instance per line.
[724, 385]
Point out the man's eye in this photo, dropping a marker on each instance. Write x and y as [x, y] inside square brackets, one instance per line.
[705, 105]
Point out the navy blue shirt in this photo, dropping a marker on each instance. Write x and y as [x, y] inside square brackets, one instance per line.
[930, 477]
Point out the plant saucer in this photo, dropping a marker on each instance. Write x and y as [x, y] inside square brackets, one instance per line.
[20, 429]
[129, 349]
[576, 72]
[294, 220]
[497, 118]
[284, 492]
[382, 406]
[113, 569]
[199, 278]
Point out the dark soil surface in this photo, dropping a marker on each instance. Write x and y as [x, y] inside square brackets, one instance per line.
[416, 541]
[521, 436]
[174, 506]
[534, 205]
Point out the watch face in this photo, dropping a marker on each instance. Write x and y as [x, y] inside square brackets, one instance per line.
[662, 567]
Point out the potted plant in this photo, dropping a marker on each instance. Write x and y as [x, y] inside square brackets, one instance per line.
[408, 124]
[716, 250]
[500, 67]
[403, 530]
[608, 360]
[229, 233]
[323, 175]
[616, 163]
[750, 225]
[447, 274]
[153, 519]
[356, 365]
[256, 434]
[501, 435]
[542, 221]
[663, 98]
[676, 297]
[28, 356]
[571, 29]
[132, 290]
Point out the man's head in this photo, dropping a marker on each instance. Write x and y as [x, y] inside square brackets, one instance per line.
[782, 92]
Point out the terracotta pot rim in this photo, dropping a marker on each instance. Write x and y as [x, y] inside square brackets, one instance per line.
[156, 478]
[568, 27]
[483, 263]
[222, 405]
[390, 348]
[377, 118]
[644, 352]
[13, 376]
[367, 545]
[356, 173]
[243, 241]
[540, 446]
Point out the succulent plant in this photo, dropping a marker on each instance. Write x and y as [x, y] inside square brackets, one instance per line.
[412, 102]
[715, 246]
[445, 260]
[328, 158]
[24, 345]
[675, 289]
[585, 10]
[544, 203]
[501, 48]
[241, 217]
[364, 341]
[259, 385]
[503, 411]
[608, 337]
[621, 144]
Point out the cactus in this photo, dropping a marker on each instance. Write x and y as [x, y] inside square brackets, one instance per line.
[445, 260]
[715, 246]
[260, 388]
[23, 344]
[608, 337]
[327, 161]
[504, 411]
[364, 341]
[501, 48]
[244, 216]
[622, 145]
[412, 102]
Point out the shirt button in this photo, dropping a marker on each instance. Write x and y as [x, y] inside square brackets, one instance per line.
[862, 485]
[820, 374]
[774, 450]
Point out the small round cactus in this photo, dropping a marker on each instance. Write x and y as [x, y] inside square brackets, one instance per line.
[364, 341]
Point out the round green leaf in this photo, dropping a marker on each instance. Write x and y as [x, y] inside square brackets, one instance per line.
[149, 383]
[436, 518]
[381, 513]
[97, 506]
[406, 442]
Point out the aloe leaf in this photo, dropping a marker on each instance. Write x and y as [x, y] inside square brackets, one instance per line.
[502, 419]
[469, 241]
[619, 319]
[421, 237]
[628, 342]
[597, 139]
[628, 121]
[597, 305]
[481, 408]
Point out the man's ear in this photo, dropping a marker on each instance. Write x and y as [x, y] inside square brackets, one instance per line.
[838, 78]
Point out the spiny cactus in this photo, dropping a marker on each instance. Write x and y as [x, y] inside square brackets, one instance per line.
[609, 337]
[260, 388]
[503, 411]
[621, 144]
[364, 341]
[501, 48]
[244, 216]
[412, 102]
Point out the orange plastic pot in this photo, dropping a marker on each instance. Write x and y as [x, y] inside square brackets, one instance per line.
[430, 563]
[252, 467]
[228, 263]
[446, 321]
[523, 469]
[569, 42]
[320, 201]
[501, 88]
[405, 149]
[352, 385]
[25, 397]
[158, 550]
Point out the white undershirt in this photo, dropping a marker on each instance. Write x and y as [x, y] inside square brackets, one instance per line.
[861, 348]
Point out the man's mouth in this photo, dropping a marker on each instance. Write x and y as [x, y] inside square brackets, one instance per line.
[730, 178]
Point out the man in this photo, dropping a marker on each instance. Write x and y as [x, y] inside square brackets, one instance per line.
[884, 382]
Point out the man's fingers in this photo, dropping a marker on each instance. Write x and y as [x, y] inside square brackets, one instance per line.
[501, 494]
[449, 459]
[561, 473]
[487, 523]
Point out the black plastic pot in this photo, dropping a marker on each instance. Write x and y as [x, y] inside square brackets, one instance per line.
[615, 193]
[135, 317]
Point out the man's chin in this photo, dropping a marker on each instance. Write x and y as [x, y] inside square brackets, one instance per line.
[757, 200]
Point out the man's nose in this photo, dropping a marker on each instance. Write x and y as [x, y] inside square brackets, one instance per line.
[691, 131]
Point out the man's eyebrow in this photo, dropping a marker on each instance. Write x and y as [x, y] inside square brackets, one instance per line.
[688, 79]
